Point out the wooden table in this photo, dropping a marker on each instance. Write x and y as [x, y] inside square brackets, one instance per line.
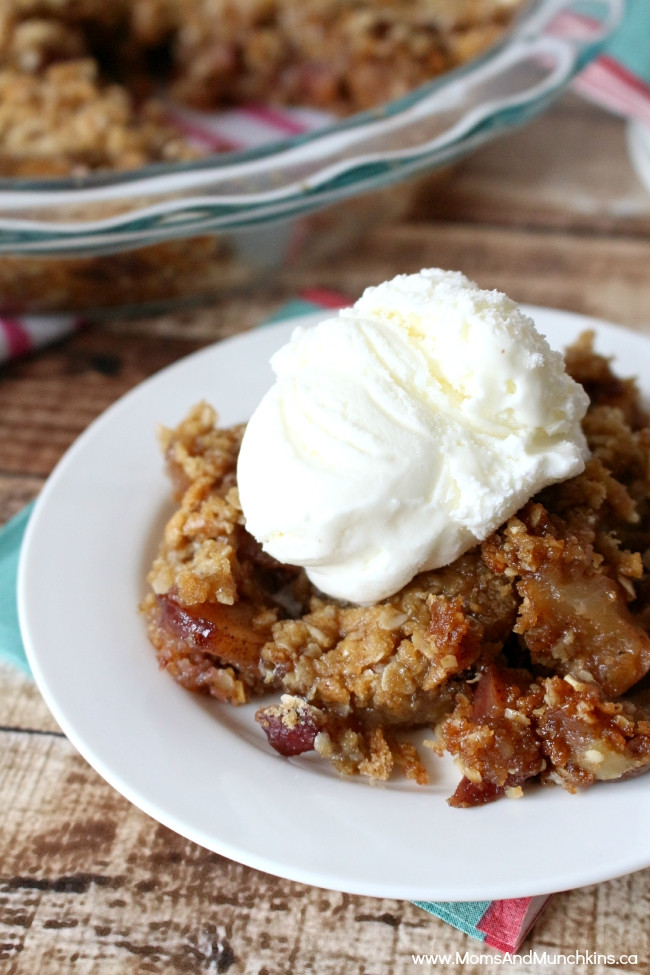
[552, 214]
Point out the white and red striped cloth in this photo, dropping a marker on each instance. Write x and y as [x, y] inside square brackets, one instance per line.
[609, 83]
[26, 333]
[607, 80]
[244, 128]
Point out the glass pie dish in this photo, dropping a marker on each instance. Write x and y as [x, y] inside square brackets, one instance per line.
[186, 231]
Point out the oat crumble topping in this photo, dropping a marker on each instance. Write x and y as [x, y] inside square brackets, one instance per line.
[528, 656]
[77, 77]
[83, 85]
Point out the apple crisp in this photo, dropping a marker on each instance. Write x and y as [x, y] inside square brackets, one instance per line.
[94, 87]
[340, 56]
[527, 657]
[77, 77]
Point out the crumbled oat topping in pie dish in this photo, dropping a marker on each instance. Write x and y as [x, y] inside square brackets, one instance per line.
[90, 87]
[527, 657]
[80, 79]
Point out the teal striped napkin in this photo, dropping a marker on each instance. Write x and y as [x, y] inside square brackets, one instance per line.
[11, 536]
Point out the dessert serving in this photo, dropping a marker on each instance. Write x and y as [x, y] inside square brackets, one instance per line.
[427, 523]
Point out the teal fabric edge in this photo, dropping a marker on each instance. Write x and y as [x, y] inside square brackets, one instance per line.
[11, 537]
[464, 915]
[292, 309]
[630, 43]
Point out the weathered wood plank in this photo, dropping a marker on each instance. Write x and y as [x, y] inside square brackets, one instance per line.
[21, 705]
[88, 883]
[595, 275]
[15, 492]
[46, 400]
[568, 170]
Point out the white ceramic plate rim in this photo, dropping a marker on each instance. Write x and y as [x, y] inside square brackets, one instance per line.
[203, 769]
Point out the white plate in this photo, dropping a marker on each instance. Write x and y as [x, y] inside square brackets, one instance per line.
[205, 770]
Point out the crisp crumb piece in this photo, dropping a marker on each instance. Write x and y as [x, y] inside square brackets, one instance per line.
[514, 792]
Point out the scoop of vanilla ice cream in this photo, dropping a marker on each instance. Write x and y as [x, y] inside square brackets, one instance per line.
[403, 431]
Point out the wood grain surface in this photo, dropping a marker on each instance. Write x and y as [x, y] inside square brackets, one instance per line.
[553, 214]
